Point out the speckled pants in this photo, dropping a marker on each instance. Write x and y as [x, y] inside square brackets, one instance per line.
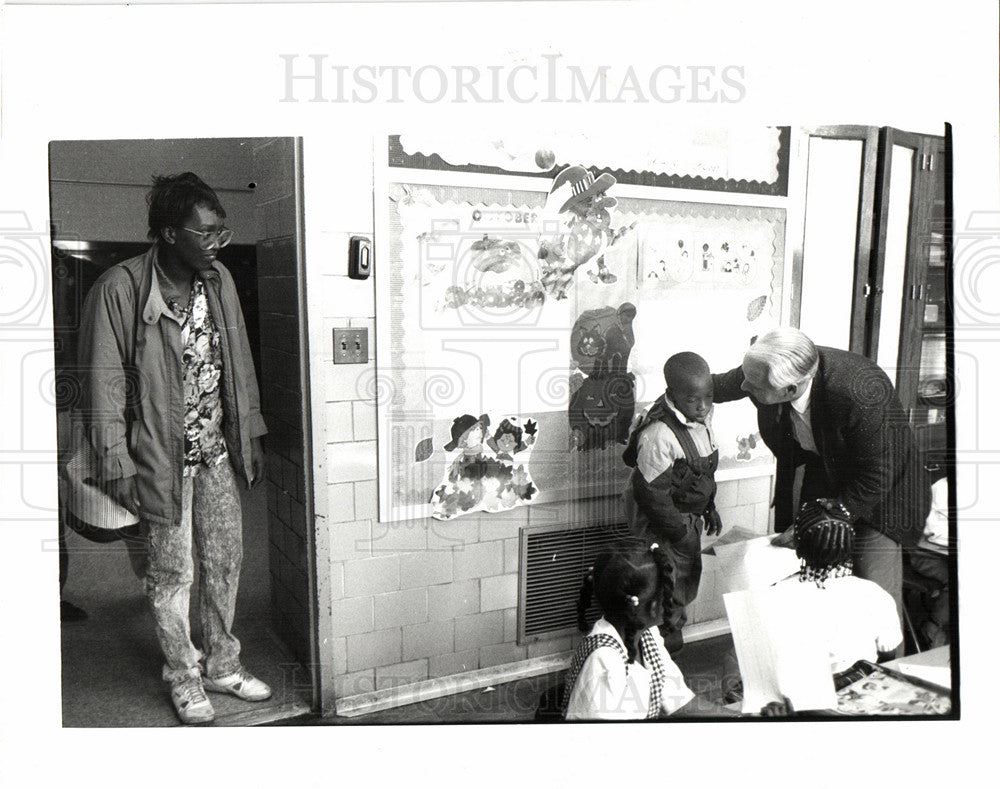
[211, 518]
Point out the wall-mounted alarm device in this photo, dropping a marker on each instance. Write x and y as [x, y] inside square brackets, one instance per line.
[359, 265]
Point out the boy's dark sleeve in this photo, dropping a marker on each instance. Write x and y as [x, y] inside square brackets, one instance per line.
[727, 386]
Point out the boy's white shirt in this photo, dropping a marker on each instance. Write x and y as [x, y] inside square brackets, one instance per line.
[604, 690]
[658, 447]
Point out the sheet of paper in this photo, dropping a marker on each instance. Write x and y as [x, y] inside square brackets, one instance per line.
[729, 536]
[755, 563]
[933, 665]
[780, 650]
[939, 675]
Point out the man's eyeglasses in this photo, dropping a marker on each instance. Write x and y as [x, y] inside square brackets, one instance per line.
[208, 237]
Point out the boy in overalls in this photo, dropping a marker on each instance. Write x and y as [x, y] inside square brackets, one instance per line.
[671, 492]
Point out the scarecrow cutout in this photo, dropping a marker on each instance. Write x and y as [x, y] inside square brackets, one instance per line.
[485, 471]
[577, 230]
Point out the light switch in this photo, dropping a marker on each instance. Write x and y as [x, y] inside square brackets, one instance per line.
[350, 346]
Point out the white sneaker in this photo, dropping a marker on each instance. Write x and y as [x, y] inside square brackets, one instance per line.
[190, 701]
[241, 683]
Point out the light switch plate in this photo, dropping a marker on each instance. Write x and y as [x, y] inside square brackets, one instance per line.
[350, 346]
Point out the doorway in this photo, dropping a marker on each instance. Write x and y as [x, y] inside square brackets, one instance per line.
[111, 660]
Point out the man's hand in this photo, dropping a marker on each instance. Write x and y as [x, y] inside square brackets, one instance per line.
[124, 491]
[258, 461]
[713, 523]
[785, 540]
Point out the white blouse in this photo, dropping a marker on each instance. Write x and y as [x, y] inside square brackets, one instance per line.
[605, 691]
[858, 617]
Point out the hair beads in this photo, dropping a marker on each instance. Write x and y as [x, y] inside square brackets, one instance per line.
[824, 541]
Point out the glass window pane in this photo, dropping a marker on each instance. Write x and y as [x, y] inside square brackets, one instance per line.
[833, 189]
[897, 229]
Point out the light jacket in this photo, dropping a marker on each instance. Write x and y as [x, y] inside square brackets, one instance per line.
[683, 488]
[153, 450]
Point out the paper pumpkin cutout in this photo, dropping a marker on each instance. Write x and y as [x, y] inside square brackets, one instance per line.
[603, 400]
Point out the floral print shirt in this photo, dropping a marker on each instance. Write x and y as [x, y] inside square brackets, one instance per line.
[204, 443]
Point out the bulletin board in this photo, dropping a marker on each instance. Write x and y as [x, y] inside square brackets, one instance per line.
[751, 160]
[487, 360]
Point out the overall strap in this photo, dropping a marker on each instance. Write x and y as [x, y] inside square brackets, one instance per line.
[587, 646]
[660, 411]
[683, 436]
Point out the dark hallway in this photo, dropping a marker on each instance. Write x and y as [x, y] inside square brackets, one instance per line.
[111, 660]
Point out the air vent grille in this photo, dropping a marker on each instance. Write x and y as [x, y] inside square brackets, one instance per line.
[553, 562]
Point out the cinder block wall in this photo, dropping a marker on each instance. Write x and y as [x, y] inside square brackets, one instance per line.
[415, 600]
[743, 504]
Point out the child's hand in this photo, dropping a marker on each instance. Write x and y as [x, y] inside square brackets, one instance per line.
[778, 709]
[713, 523]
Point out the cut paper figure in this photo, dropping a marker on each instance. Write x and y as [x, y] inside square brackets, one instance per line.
[602, 404]
[512, 293]
[462, 489]
[512, 447]
[745, 444]
[666, 256]
[736, 263]
[485, 477]
[509, 439]
[579, 206]
[494, 254]
[706, 257]
[494, 274]
[467, 433]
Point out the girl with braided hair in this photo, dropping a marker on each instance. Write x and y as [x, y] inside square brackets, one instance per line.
[621, 670]
[859, 617]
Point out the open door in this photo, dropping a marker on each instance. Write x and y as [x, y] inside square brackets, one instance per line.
[111, 659]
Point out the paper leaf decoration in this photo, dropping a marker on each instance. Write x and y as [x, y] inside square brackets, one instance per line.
[755, 308]
[424, 450]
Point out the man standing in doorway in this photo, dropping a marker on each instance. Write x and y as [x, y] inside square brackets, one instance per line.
[173, 415]
[834, 418]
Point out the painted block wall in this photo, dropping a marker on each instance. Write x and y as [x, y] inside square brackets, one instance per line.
[117, 174]
[420, 599]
